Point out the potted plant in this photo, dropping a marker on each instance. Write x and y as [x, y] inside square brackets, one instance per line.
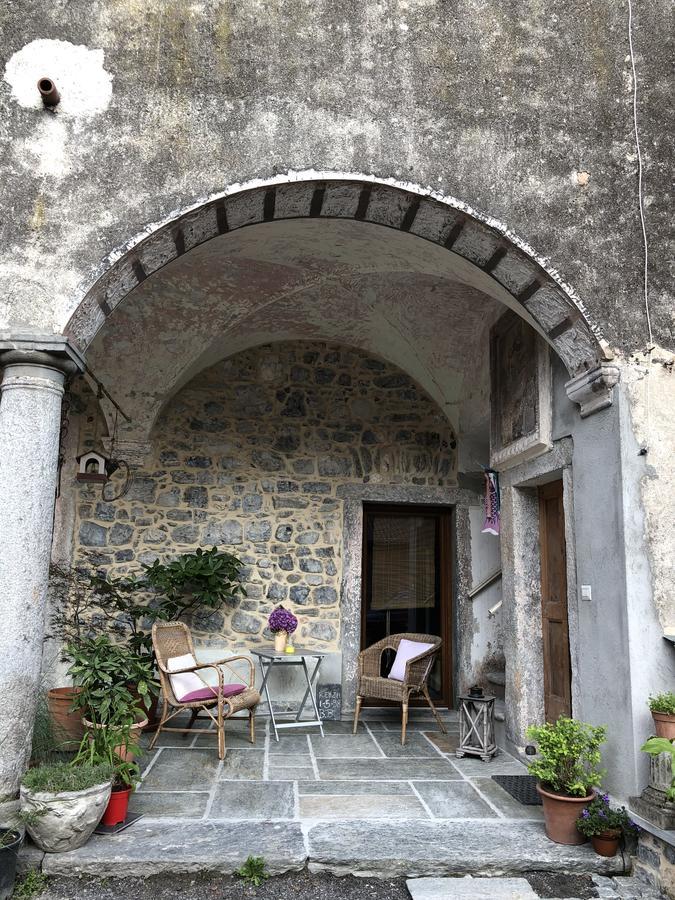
[281, 623]
[111, 678]
[662, 708]
[604, 825]
[62, 803]
[114, 748]
[567, 769]
[10, 844]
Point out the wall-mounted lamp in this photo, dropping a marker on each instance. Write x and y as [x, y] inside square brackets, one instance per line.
[48, 92]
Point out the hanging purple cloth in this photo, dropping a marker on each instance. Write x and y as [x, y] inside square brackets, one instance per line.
[491, 523]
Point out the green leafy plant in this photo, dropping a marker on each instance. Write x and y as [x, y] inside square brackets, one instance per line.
[568, 756]
[599, 817]
[64, 776]
[253, 870]
[46, 746]
[7, 837]
[112, 679]
[102, 747]
[205, 578]
[657, 745]
[31, 885]
[663, 703]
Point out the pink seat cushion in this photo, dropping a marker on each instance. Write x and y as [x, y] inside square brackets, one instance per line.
[207, 693]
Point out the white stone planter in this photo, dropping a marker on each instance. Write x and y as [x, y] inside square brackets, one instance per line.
[65, 820]
[660, 771]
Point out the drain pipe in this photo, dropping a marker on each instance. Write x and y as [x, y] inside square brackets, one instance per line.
[48, 92]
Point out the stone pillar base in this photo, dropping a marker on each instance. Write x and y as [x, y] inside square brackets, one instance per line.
[653, 806]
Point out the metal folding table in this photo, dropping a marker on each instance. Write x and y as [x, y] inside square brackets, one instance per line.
[269, 658]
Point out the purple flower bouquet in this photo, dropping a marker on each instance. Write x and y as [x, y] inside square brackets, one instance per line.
[282, 620]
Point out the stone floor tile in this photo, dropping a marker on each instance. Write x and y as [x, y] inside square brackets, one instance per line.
[504, 802]
[342, 727]
[243, 764]
[502, 764]
[182, 770]
[288, 773]
[375, 806]
[150, 848]
[446, 743]
[344, 746]
[291, 759]
[385, 769]
[469, 888]
[453, 800]
[253, 800]
[190, 804]
[234, 740]
[416, 746]
[289, 743]
[358, 788]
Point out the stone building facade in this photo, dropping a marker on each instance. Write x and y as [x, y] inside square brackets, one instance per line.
[385, 181]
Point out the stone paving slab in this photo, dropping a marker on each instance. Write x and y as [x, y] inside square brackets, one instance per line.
[502, 764]
[173, 847]
[292, 773]
[421, 848]
[259, 800]
[244, 765]
[344, 746]
[416, 746]
[453, 800]
[374, 806]
[469, 888]
[505, 803]
[191, 804]
[182, 770]
[361, 788]
[386, 769]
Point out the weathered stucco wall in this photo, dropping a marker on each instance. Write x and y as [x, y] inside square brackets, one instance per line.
[522, 111]
[253, 456]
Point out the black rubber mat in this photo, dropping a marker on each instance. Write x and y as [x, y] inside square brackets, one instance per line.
[522, 788]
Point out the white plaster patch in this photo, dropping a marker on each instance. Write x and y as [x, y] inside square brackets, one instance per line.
[84, 85]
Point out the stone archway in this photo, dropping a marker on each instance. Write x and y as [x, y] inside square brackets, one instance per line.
[497, 261]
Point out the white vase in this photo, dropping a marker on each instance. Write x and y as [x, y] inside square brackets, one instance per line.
[280, 639]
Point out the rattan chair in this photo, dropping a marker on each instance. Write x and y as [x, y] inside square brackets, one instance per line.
[373, 686]
[173, 639]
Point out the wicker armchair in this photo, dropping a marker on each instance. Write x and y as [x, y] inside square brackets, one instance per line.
[173, 639]
[373, 686]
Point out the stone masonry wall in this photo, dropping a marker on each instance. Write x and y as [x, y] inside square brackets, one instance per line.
[249, 457]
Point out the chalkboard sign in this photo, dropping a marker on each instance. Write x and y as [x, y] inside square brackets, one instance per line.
[329, 701]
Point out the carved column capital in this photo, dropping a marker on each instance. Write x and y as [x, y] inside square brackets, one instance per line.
[593, 389]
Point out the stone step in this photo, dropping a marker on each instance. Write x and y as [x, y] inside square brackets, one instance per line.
[497, 677]
[377, 847]
[500, 711]
[469, 888]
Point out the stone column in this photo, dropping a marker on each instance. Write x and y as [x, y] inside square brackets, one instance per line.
[34, 371]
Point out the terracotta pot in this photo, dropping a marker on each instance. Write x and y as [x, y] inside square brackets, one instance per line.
[561, 814]
[121, 750]
[664, 724]
[607, 843]
[280, 641]
[67, 724]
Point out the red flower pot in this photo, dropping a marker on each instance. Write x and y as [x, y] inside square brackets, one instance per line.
[116, 810]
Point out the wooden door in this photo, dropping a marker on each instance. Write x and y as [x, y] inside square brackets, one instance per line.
[557, 668]
[407, 582]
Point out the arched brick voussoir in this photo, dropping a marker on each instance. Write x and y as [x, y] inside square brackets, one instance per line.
[486, 244]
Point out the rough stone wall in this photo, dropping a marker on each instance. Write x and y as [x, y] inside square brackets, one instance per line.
[249, 456]
[522, 110]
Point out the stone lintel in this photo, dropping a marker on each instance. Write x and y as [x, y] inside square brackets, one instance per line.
[592, 390]
[35, 348]
[134, 452]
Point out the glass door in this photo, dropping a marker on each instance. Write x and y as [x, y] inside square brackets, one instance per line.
[406, 581]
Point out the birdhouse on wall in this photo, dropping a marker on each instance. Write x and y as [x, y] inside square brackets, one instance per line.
[92, 468]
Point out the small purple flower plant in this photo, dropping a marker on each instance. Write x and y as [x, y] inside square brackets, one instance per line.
[282, 620]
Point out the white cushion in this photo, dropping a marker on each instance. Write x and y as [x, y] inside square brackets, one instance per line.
[406, 650]
[186, 682]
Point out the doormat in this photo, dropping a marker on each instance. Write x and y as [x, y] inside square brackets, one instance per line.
[115, 829]
[522, 788]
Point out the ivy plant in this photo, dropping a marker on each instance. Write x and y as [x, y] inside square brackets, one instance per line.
[568, 760]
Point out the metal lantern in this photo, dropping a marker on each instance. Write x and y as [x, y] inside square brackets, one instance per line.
[477, 725]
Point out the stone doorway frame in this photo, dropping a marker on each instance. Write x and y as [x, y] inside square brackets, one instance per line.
[521, 587]
[354, 496]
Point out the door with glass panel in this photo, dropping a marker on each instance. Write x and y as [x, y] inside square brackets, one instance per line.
[406, 584]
